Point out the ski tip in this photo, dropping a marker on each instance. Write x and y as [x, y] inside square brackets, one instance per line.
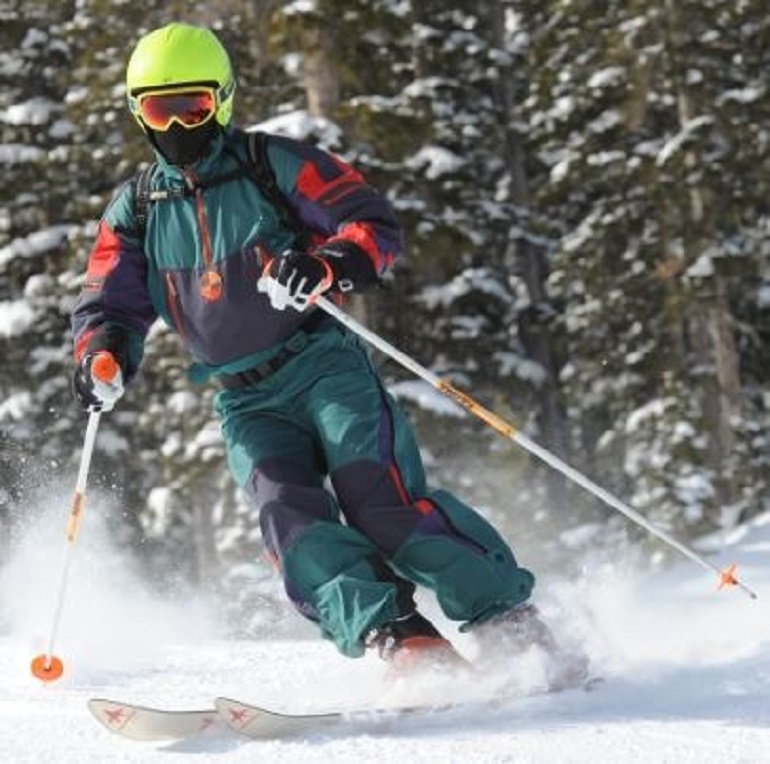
[46, 668]
[147, 724]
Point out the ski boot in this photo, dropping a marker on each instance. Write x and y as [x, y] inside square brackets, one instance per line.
[522, 629]
[413, 643]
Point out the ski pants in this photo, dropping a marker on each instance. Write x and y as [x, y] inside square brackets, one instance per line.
[333, 468]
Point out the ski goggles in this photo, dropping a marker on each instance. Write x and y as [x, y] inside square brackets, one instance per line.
[188, 106]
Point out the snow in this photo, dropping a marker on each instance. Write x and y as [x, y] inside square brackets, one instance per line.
[12, 153]
[763, 297]
[465, 282]
[35, 111]
[301, 125]
[36, 243]
[610, 76]
[435, 161]
[687, 668]
[300, 7]
[702, 268]
[16, 317]
[523, 368]
[674, 145]
[741, 96]
[16, 406]
[425, 396]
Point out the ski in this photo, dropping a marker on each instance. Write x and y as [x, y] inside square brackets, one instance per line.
[147, 724]
[258, 722]
[261, 723]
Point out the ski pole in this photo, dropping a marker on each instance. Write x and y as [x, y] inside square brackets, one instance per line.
[726, 576]
[47, 666]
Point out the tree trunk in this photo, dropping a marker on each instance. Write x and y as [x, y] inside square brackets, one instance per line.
[711, 333]
[709, 324]
[320, 73]
[530, 259]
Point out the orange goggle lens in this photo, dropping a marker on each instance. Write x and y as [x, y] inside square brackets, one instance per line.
[190, 109]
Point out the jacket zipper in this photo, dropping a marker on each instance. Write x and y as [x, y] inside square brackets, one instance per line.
[210, 283]
[200, 214]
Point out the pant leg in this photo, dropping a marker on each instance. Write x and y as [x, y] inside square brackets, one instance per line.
[429, 537]
[332, 573]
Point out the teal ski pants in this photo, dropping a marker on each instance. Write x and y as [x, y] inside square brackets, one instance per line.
[333, 467]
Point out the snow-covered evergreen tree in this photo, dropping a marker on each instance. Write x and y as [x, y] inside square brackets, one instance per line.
[633, 116]
[37, 426]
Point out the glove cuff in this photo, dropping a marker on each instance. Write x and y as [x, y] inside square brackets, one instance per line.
[352, 268]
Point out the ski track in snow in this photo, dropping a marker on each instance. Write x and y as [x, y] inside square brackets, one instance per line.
[687, 670]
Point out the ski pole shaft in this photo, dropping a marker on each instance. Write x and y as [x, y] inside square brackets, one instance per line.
[47, 666]
[727, 577]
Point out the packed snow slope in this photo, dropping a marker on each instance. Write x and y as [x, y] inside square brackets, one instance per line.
[687, 671]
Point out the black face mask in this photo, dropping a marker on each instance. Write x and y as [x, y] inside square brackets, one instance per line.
[181, 146]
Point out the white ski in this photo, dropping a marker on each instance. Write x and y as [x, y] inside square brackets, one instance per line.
[143, 723]
[155, 724]
[257, 722]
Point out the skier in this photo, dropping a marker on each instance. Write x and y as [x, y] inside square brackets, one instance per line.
[209, 250]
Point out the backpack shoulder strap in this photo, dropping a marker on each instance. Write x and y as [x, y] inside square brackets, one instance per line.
[142, 190]
[264, 175]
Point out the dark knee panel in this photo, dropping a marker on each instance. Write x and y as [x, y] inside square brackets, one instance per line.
[375, 502]
[289, 498]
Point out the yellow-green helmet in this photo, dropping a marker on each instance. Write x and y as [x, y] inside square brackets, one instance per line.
[181, 54]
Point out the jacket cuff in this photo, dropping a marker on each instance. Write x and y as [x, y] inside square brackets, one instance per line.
[352, 268]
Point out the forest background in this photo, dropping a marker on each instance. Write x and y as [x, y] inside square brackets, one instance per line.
[584, 190]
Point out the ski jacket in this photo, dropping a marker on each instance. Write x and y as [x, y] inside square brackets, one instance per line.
[214, 219]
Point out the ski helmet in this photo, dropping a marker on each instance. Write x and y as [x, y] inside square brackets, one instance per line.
[181, 54]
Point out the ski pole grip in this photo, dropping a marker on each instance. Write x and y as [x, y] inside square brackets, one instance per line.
[104, 367]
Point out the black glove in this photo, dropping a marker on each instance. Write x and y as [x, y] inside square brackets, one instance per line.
[294, 279]
[98, 387]
[98, 382]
